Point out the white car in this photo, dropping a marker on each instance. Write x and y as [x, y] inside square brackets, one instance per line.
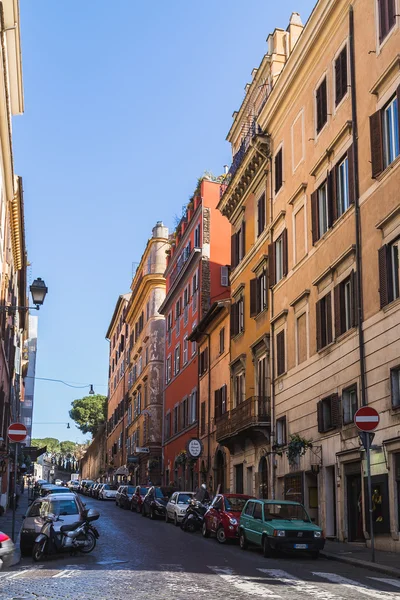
[58, 482]
[73, 485]
[177, 506]
[108, 491]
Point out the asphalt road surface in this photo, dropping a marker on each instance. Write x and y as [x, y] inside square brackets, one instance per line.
[140, 559]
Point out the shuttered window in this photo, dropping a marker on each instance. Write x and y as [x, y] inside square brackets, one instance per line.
[278, 167]
[321, 105]
[237, 317]
[238, 245]
[345, 305]
[280, 353]
[202, 418]
[278, 259]
[387, 17]
[328, 413]
[203, 362]
[261, 215]
[324, 321]
[389, 272]
[341, 76]
[258, 294]
[220, 406]
[384, 135]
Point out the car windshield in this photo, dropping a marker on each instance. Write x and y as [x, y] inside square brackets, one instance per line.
[143, 491]
[64, 507]
[130, 489]
[60, 491]
[184, 498]
[108, 486]
[289, 512]
[158, 493]
[235, 504]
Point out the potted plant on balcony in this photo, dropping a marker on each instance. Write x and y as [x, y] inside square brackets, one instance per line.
[181, 458]
[297, 447]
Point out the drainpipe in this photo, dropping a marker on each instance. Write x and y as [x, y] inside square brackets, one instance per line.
[359, 291]
[272, 349]
[209, 405]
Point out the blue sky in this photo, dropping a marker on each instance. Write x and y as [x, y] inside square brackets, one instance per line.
[126, 104]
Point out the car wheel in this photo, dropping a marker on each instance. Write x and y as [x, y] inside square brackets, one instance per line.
[204, 530]
[242, 541]
[166, 516]
[176, 522]
[221, 537]
[143, 511]
[138, 509]
[315, 554]
[25, 551]
[152, 514]
[266, 548]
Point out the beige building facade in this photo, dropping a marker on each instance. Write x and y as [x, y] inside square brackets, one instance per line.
[331, 249]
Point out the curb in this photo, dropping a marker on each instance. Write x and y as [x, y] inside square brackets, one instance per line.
[362, 563]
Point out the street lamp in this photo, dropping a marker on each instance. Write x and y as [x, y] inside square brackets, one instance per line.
[38, 291]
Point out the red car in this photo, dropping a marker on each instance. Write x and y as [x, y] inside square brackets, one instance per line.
[138, 497]
[222, 518]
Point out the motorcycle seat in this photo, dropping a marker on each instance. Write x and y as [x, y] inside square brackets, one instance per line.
[65, 528]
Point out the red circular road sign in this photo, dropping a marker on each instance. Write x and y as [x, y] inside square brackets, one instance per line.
[366, 418]
[17, 432]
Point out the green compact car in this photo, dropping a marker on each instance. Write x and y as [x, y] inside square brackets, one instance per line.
[279, 525]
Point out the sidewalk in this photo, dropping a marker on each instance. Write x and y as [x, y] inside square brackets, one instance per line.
[360, 555]
[6, 522]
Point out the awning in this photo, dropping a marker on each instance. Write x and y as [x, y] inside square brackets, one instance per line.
[122, 471]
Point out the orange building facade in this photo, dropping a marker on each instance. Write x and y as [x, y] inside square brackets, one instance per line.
[197, 276]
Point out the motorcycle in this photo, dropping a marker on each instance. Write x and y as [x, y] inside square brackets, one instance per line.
[80, 536]
[194, 516]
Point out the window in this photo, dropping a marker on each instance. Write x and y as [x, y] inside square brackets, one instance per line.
[328, 413]
[145, 395]
[224, 276]
[341, 76]
[342, 186]
[220, 405]
[177, 360]
[387, 17]
[280, 353]
[202, 418]
[178, 308]
[194, 345]
[323, 220]
[222, 340]
[237, 317]
[324, 321]
[195, 282]
[395, 386]
[169, 321]
[238, 245]
[186, 295]
[301, 330]
[349, 404]
[321, 105]
[258, 511]
[168, 371]
[261, 215]
[278, 259]
[167, 432]
[249, 509]
[176, 417]
[239, 388]
[197, 236]
[258, 294]
[281, 431]
[262, 374]
[185, 350]
[184, 413]
[193, 407]
[148, 310]
[203, 362]
[345, 314]
[389, 272]
[384, 135]
[278, 168]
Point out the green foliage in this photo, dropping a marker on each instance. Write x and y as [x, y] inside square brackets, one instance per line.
[53, 445]
[89, 413]
[67, 447]
[297, 446]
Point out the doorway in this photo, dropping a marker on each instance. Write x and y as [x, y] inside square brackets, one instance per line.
[330, 496]
[220, 472]
[249, 481]
[354, 508]
[263, 478]
[239, 479]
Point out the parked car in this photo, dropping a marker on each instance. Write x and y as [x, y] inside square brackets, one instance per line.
[69, 507]
[124, 496]
[108, 491]
[279, 525]
[155, 501]
[73, 485]
[58, 482]
[177, 506]
[138, 497]
[6, 550]
[53, 489]
[94, 490]
[88, 487]
[222, 518]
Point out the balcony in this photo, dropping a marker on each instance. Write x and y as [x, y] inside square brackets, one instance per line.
[251, 418]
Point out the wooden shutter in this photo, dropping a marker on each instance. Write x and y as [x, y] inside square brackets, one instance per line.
[243, 233]
[224, 399]
[314, 217]
[320, 417]
[338, 80]
[354, 299]
[205, 359]
[338, 309]
[280, 352]
[324, 102]
[398, 109]
[385, 280]
[217, 404]
[375, 125]
[233, 250]
[331, 188]
[351, 182]
[335, 411]
[253, 297]
[271, 264]
[319, 324]
[233, 319]
[328, 305]
[285, 251]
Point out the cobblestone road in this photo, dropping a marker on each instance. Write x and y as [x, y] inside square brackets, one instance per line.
[142, 559]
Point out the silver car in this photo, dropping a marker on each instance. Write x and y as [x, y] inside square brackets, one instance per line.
[69, 507]
[6, 550]
[177, 506]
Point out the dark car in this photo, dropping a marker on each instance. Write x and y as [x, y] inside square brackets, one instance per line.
[94, 490]
[222, 518]
[123, 499]
[138, 497]
[155, 503]
[88, 487]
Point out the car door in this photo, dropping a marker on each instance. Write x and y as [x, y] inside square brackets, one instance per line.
[171, 506]
[215, 517]
[258, 523]
[246, 520]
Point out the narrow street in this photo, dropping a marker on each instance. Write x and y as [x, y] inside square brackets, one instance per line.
[140, 558]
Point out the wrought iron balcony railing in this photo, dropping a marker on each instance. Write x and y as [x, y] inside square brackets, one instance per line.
[254, 411]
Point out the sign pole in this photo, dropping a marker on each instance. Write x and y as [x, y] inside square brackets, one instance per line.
[15, 491]
[369, 503]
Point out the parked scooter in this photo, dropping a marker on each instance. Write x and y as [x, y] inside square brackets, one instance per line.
[194, 516]
[80, 536]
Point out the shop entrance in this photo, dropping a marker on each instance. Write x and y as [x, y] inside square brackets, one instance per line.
[354, 508]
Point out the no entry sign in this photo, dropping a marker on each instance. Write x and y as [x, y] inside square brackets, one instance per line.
[366, 419]
[17, 432]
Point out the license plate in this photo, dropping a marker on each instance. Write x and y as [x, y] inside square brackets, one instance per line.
[301, 546]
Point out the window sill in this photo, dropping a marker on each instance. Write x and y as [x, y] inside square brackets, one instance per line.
[393, 304]
[262, 313]
[387, 169]
[326, 349]
[341, 101]
[350, 425]
[330, 430]
[395, 410]
[381, 44]
[346, 334]
[237, 336]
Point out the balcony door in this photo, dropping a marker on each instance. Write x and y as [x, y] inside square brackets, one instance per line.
[262, 377]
